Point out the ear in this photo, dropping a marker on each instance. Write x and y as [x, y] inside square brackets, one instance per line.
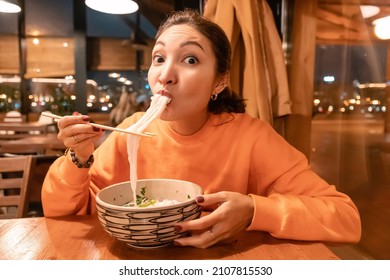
[221, 84]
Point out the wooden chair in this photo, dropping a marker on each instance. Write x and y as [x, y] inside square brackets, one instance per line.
[14, 179]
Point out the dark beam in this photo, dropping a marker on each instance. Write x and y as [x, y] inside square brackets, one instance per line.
[80, 55]
[25, 106]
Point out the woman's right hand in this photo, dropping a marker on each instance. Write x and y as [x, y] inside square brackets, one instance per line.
[78, 135]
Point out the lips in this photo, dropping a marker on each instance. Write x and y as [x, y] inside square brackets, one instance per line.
[164, 92]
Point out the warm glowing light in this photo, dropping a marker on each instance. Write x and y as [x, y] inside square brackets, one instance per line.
[113, 6]
[369, 10]
[114, 75]
[382, 28]
[35, 41]
[6, 7]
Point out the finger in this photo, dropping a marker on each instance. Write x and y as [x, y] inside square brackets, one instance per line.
[198, 224]
[80, 138]
[203, 240]
[210, 199]
[74, 119]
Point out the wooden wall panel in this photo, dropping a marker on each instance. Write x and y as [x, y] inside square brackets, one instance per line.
[51, 57]
[9, 55]
[115, 54]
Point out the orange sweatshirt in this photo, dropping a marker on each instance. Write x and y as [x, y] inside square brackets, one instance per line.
[232, 152]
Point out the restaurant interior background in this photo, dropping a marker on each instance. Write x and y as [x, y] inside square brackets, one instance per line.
[51, 44]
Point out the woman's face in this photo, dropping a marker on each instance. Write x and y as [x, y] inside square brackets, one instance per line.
[183, 67]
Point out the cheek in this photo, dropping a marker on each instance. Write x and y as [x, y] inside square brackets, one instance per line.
[152, 80]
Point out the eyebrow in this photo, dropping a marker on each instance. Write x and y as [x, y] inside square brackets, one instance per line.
[186, 43]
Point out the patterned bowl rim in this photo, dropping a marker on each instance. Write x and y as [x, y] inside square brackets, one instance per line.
[147, 209]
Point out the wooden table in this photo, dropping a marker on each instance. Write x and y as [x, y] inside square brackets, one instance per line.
[39, 144]
[82, 238]
[17, 130]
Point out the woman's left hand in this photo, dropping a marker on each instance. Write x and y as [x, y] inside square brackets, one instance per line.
[234, 213]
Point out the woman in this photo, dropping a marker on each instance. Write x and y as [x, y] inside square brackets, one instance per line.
[251, 176]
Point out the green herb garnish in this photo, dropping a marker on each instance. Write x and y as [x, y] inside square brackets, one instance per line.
[142, 200]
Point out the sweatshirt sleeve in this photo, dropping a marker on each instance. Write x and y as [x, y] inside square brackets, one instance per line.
[298, 204]
[69, 190]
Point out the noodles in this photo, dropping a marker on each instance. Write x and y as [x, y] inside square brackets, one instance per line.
[157, 106]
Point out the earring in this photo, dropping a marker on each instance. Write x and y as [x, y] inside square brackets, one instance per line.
[214, 96]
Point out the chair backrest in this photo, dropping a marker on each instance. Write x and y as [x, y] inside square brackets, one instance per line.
[14, 180]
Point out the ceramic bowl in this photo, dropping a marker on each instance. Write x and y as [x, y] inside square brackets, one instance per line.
[147, 227]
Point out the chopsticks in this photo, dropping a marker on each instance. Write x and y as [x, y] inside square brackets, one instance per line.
[145, 134]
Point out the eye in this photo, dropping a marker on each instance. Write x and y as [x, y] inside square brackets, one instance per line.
[191, 60]
[158, 59]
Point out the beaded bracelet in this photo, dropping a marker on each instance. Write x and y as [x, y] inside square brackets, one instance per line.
[76, 161]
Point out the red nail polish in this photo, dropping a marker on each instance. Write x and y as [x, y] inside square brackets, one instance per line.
[177, 228]
[199, 199]
[176, 243]
[85, 118]
[96, 129]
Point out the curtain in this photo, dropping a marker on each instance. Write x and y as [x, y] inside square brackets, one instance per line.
[258, 71]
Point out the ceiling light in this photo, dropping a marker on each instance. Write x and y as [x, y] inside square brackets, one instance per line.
[369, 10]
[113, 6]
[382, 28]
[9, 6]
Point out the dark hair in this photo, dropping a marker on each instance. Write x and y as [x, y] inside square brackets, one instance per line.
[227, 101]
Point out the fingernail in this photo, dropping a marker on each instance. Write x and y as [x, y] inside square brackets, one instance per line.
[177, 228]
[85, 118]
[96, 129]
[75, 113]
[199, 199]
[176, 243]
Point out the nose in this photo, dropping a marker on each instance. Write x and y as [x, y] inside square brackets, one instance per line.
[168, 74]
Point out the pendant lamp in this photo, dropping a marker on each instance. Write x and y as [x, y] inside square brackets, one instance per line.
[113, 6]
[9, 6]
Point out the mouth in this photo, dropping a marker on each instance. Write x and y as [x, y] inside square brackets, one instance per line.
[165, 93]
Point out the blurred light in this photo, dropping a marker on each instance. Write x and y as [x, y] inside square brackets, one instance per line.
[65, 44]
[8, 7]
[329, 79]
[114, 75]
[369, 10]
[113, 6]
[316, 101]
[382, 28]
[35, 41]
